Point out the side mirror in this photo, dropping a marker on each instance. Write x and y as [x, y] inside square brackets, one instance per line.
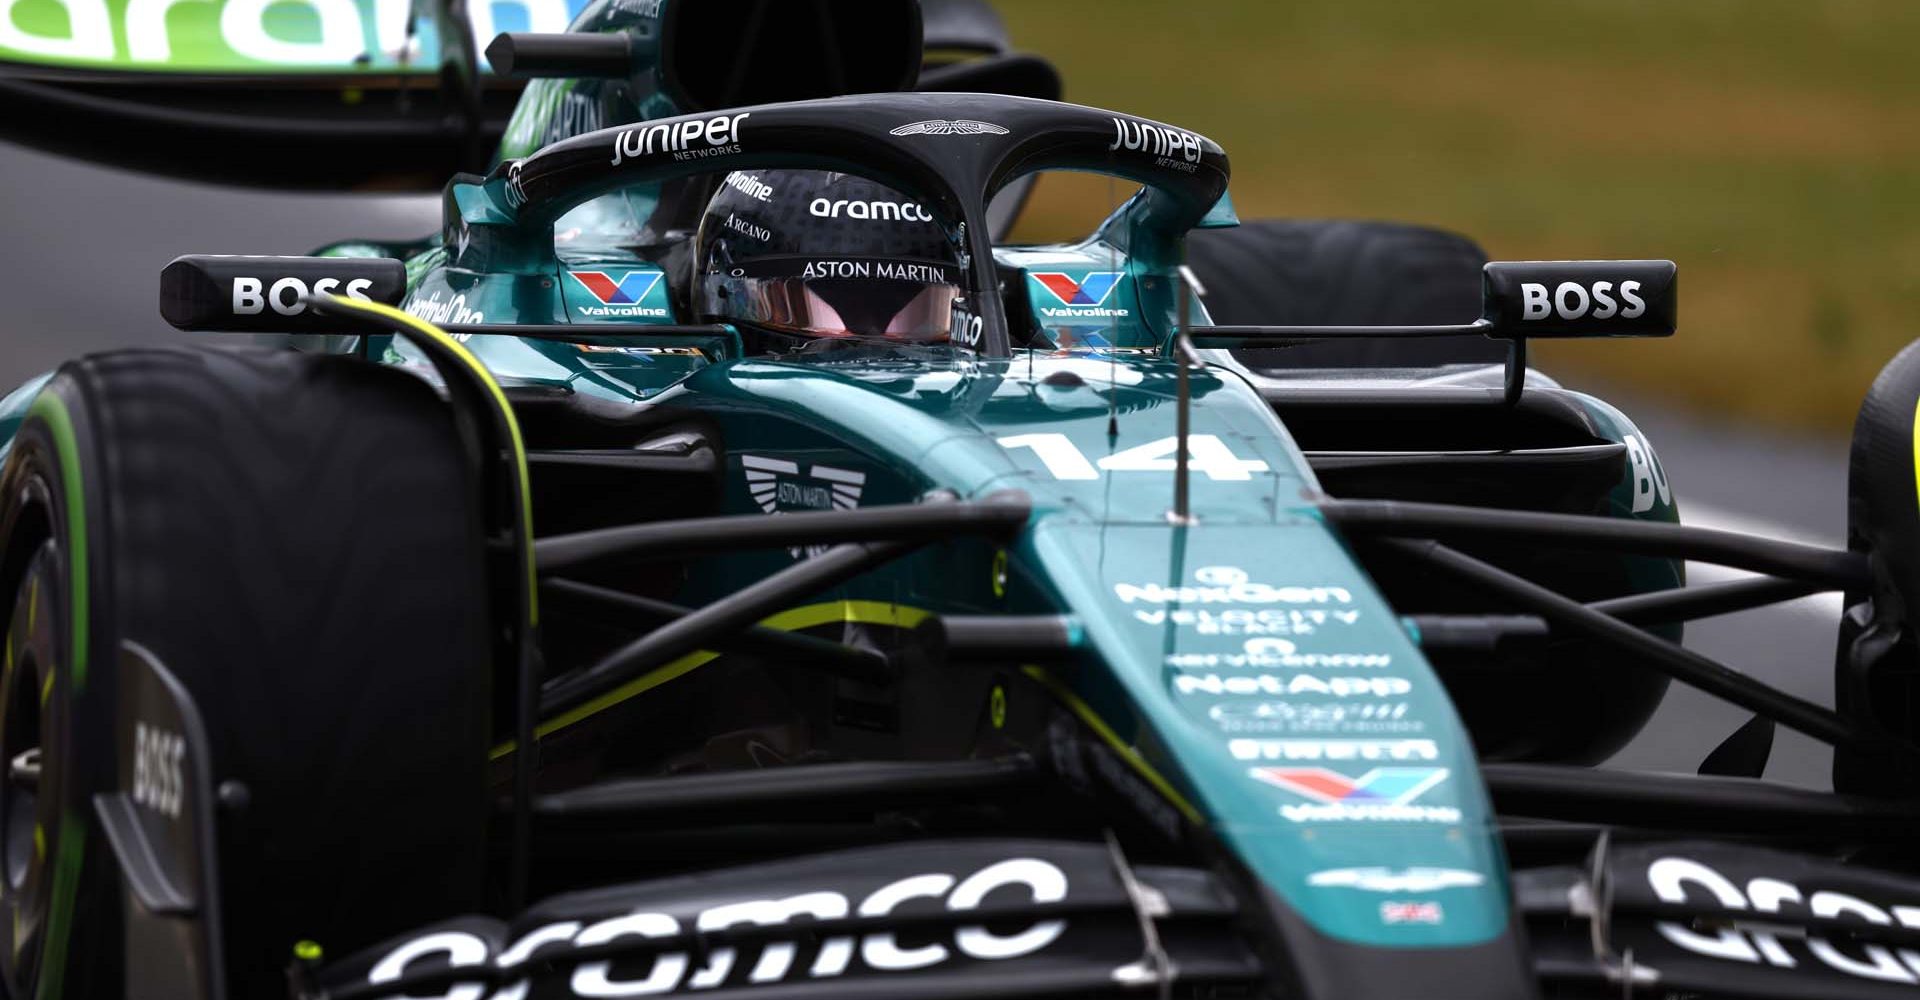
[1580, 298]
[1519, 300]
[269, 294]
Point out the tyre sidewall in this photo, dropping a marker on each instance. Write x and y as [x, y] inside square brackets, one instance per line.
[44, 499]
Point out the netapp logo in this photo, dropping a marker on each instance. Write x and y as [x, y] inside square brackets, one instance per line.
[904, 211]
[721, 135]
[288, 296]
[880, 951]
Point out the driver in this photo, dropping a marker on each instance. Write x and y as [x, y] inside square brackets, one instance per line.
[809, 255]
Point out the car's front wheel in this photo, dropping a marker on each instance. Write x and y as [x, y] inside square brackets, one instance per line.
[297, 539]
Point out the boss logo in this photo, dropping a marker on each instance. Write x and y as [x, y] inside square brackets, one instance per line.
[288, 296]
[263, 294]
[1580, 298]
[1574, 300]
[158, 779]
[1649, 480]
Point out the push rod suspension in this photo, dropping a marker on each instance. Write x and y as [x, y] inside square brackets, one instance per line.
[1836, 568]
[1681, 664]
[701, 628]
[1692, 803]
[1684, 604]
[1661, 607]
[704, 535]
[792, 648]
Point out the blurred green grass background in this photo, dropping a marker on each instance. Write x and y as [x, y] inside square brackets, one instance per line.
[1771, 147]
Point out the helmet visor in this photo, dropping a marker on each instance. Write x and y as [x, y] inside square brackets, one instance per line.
[884, 298]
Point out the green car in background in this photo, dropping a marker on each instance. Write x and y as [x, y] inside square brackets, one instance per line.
[1188, 618]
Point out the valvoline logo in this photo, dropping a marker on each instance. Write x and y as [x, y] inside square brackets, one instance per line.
[1059, 295]
[627, 290]
[1382, 784]
[623, 293]
[1381, 794]
[1091, 290]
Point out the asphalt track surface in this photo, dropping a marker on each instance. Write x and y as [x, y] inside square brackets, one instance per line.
[84, 246]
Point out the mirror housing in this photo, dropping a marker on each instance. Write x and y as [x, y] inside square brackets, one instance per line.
[1519, 300]
[1580, 298]
[269, 294]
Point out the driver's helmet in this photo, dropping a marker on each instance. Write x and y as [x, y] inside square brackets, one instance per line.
[812, 254]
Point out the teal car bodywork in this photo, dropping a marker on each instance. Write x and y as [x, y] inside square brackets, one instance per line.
[1246, 674]
[1187, 630]
[1200, 642]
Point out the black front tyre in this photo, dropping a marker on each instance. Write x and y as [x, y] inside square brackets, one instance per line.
[297, 539]
[31, 793]
[1876, 683]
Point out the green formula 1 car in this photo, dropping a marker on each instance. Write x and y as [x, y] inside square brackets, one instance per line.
[715, 565]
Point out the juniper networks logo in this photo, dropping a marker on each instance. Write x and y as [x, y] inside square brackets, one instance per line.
[1061, 296]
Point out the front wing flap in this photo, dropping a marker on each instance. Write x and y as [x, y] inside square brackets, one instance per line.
[954, 918]
[1722, 920]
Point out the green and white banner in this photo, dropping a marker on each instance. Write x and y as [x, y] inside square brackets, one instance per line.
[249, 36]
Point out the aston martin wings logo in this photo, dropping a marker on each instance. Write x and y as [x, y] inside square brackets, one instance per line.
[938, 126]
[778, 485]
